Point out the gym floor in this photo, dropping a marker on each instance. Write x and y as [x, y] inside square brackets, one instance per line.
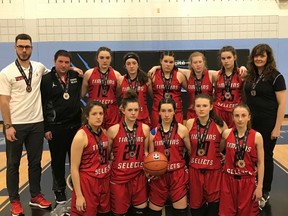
[277, 206]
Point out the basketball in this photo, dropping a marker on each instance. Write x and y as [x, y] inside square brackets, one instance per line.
[155, 163]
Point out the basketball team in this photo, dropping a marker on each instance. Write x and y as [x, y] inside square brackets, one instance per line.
[220, 157]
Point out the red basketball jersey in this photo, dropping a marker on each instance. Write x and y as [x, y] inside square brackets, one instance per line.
[250, 156]
[176, 151]
[211, 158]
[125, 167]
[158, 91]
[95, 91]
[142, 97]
[90, 161]
[235, 90]
[206, 88]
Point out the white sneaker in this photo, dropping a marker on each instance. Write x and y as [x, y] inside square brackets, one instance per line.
[264, 200]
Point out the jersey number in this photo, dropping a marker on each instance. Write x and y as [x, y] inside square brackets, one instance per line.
[126, 155]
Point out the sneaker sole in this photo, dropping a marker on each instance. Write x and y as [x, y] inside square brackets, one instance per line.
[60, 202]
[38, 205]
[20, 214]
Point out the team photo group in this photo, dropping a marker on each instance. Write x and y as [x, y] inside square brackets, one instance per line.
[218, 149]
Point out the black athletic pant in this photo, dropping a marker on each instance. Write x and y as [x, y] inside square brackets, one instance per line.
[265, 127]
[31, 135]
[59, 148]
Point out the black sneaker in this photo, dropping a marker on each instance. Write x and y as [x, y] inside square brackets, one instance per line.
[60, 197]
[264, 200]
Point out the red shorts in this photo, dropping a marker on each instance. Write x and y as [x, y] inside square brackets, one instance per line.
[96, 193]
[204, 186]
[112, 116]
[171, 185]
[134, 192]
[225, 116]
[236, 196]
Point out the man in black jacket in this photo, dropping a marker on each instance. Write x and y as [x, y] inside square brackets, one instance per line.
[60, 91]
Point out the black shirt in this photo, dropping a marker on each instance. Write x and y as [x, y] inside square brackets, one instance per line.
[264, 104]
[57, 111]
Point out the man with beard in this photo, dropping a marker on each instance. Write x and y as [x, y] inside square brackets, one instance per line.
[21, 108]
[20, 101]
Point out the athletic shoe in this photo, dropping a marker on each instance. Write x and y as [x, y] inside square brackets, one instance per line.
[264, 200]
[60, 197]
[40, 201]
[16, 208]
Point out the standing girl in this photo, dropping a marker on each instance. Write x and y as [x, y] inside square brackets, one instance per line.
[228, 86]
[129, 143]
[265, 92]
[170, 138]
[205, 167]
[90, 170]
[240, 191]
[101, 83]
[200, 80]
[167, 83]
[137, 80]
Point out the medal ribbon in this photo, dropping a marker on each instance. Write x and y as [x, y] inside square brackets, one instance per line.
[240, 152]
[166, 82]
[104, 79]
[131, 139]
[135, 87]
[198, 84]
[64, 86]
[28, 80]
[227, 82]
[167, 141]
[256, 82]
[98, 139]
[201, 139]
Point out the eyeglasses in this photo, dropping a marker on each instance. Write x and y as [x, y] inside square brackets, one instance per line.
[24, 47]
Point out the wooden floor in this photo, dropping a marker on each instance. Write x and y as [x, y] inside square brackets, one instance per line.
[278, 204]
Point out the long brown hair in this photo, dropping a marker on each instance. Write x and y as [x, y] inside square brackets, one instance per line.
[270, 65]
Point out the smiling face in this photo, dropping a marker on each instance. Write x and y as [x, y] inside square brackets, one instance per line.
[260, 60]
[23, 49]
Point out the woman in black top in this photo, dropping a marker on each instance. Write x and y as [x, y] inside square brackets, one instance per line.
[265, 92]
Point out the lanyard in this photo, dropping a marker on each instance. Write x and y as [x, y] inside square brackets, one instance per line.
[65, 87]
[167, 83]
[198, 84]
[254, 84]
[227, 82]
[28, 80]
[240, 152]
[98, 139]
[131, 139]
[104, 81]
[167, 141]
[201, 138]
[135, 87]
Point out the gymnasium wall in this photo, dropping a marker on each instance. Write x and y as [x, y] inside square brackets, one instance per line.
[143, 25]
